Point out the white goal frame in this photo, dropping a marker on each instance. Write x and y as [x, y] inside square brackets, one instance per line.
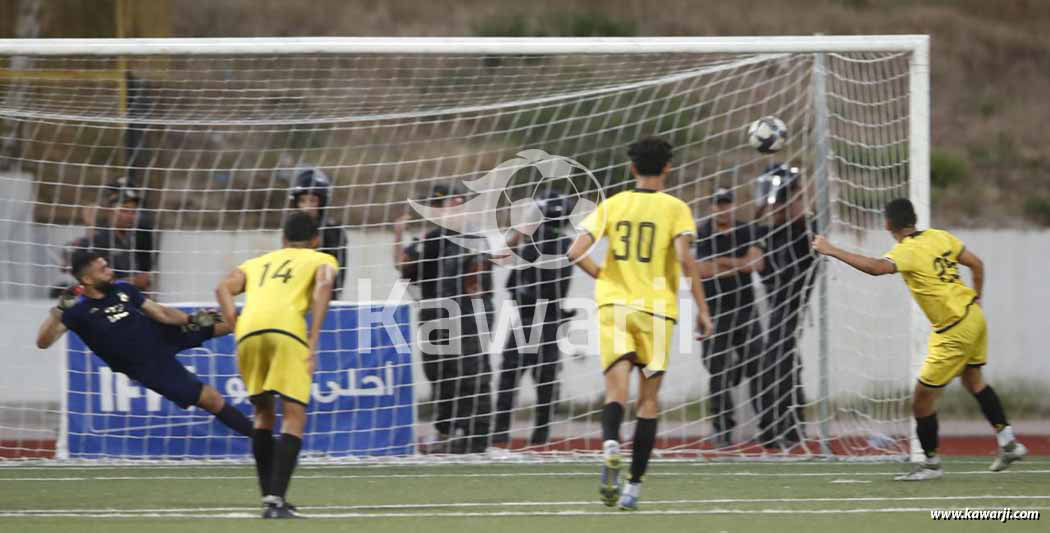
[916, 46]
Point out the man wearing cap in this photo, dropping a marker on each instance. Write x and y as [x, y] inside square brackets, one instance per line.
[310, 194]
[455, 283]
[129, 244]
[728, 253]
[790, 268]
[538, 291]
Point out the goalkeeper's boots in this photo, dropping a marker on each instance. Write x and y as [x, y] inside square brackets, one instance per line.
[629, 498]
[611, 464]
[1014, 451]
[927, 470]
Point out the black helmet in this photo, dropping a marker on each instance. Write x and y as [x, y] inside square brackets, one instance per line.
[311, 181]
[773, 184]
[119, 191]
[553, 206]
[443, 191]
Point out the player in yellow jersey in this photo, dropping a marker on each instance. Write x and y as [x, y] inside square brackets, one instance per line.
[928, 261]
[275, 354]
[651, 236]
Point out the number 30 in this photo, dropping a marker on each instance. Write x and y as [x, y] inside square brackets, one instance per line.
[643, 245]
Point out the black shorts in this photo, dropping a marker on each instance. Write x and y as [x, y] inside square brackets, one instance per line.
[162, 373]
[165, 375]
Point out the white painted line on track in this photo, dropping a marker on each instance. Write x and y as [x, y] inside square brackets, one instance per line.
[520, 474]
[709, 463]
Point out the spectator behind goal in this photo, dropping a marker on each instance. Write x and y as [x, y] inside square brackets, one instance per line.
[456, 293]
[311, 194]
[129, 240]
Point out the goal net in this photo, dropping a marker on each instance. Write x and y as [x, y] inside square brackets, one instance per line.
[180, 159]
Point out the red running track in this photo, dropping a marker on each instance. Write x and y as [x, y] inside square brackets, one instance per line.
[1038, 445]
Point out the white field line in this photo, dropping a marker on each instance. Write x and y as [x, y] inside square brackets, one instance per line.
[494, 514]
[516, 474]
[408, 506]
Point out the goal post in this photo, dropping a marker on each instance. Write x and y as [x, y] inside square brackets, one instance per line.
[919, 193]
[226, 126]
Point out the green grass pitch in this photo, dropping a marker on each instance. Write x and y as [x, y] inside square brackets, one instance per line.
[545, 498]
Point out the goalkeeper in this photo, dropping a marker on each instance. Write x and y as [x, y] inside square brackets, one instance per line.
[139, 337]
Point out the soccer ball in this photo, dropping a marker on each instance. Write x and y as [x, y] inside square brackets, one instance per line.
[767, 134]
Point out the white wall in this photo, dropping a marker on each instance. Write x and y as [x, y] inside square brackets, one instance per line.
[868, 315]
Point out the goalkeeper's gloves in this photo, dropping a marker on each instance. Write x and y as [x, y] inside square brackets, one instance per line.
[68, 299]
[202, 318]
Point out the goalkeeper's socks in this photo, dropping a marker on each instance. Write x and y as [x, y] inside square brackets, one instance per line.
[644, 439]
[285, 457]
[235, 420]
[927, 428]
[612, 418]
[262, 449]
[992, 408]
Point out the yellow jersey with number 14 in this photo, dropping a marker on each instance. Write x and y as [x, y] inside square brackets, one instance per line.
[641, 269]
[928, 262]
[277, 288]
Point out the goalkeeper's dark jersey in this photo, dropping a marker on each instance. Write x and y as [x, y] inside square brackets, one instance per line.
[116, 329]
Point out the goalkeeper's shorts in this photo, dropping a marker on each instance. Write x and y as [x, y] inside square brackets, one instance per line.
[275, 362]
[165, 375]
[963, 345]
[159, 371]
[640, 337]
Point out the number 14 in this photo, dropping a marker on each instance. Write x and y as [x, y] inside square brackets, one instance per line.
[286, 274]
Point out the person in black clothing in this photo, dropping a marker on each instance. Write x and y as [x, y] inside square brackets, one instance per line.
[788, 277]
[129, 244]
[728, 253]
[311, 193]
[538, 290]
[87, 215]
[455, 284]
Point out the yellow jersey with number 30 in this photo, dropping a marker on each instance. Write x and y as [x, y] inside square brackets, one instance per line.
[277, 289]
[641, 269]
[928, 262]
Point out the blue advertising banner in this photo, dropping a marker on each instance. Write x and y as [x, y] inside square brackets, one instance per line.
[361, 401]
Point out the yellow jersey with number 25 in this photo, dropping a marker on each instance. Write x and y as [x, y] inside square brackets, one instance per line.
[277, 288]
[928, 262]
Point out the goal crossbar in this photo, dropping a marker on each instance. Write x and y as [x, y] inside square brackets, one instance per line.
[465, 45]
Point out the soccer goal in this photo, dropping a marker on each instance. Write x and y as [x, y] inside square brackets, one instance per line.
[210, 137]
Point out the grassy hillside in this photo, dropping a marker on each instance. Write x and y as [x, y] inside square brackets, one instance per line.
[990, 66]
[990, 63]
